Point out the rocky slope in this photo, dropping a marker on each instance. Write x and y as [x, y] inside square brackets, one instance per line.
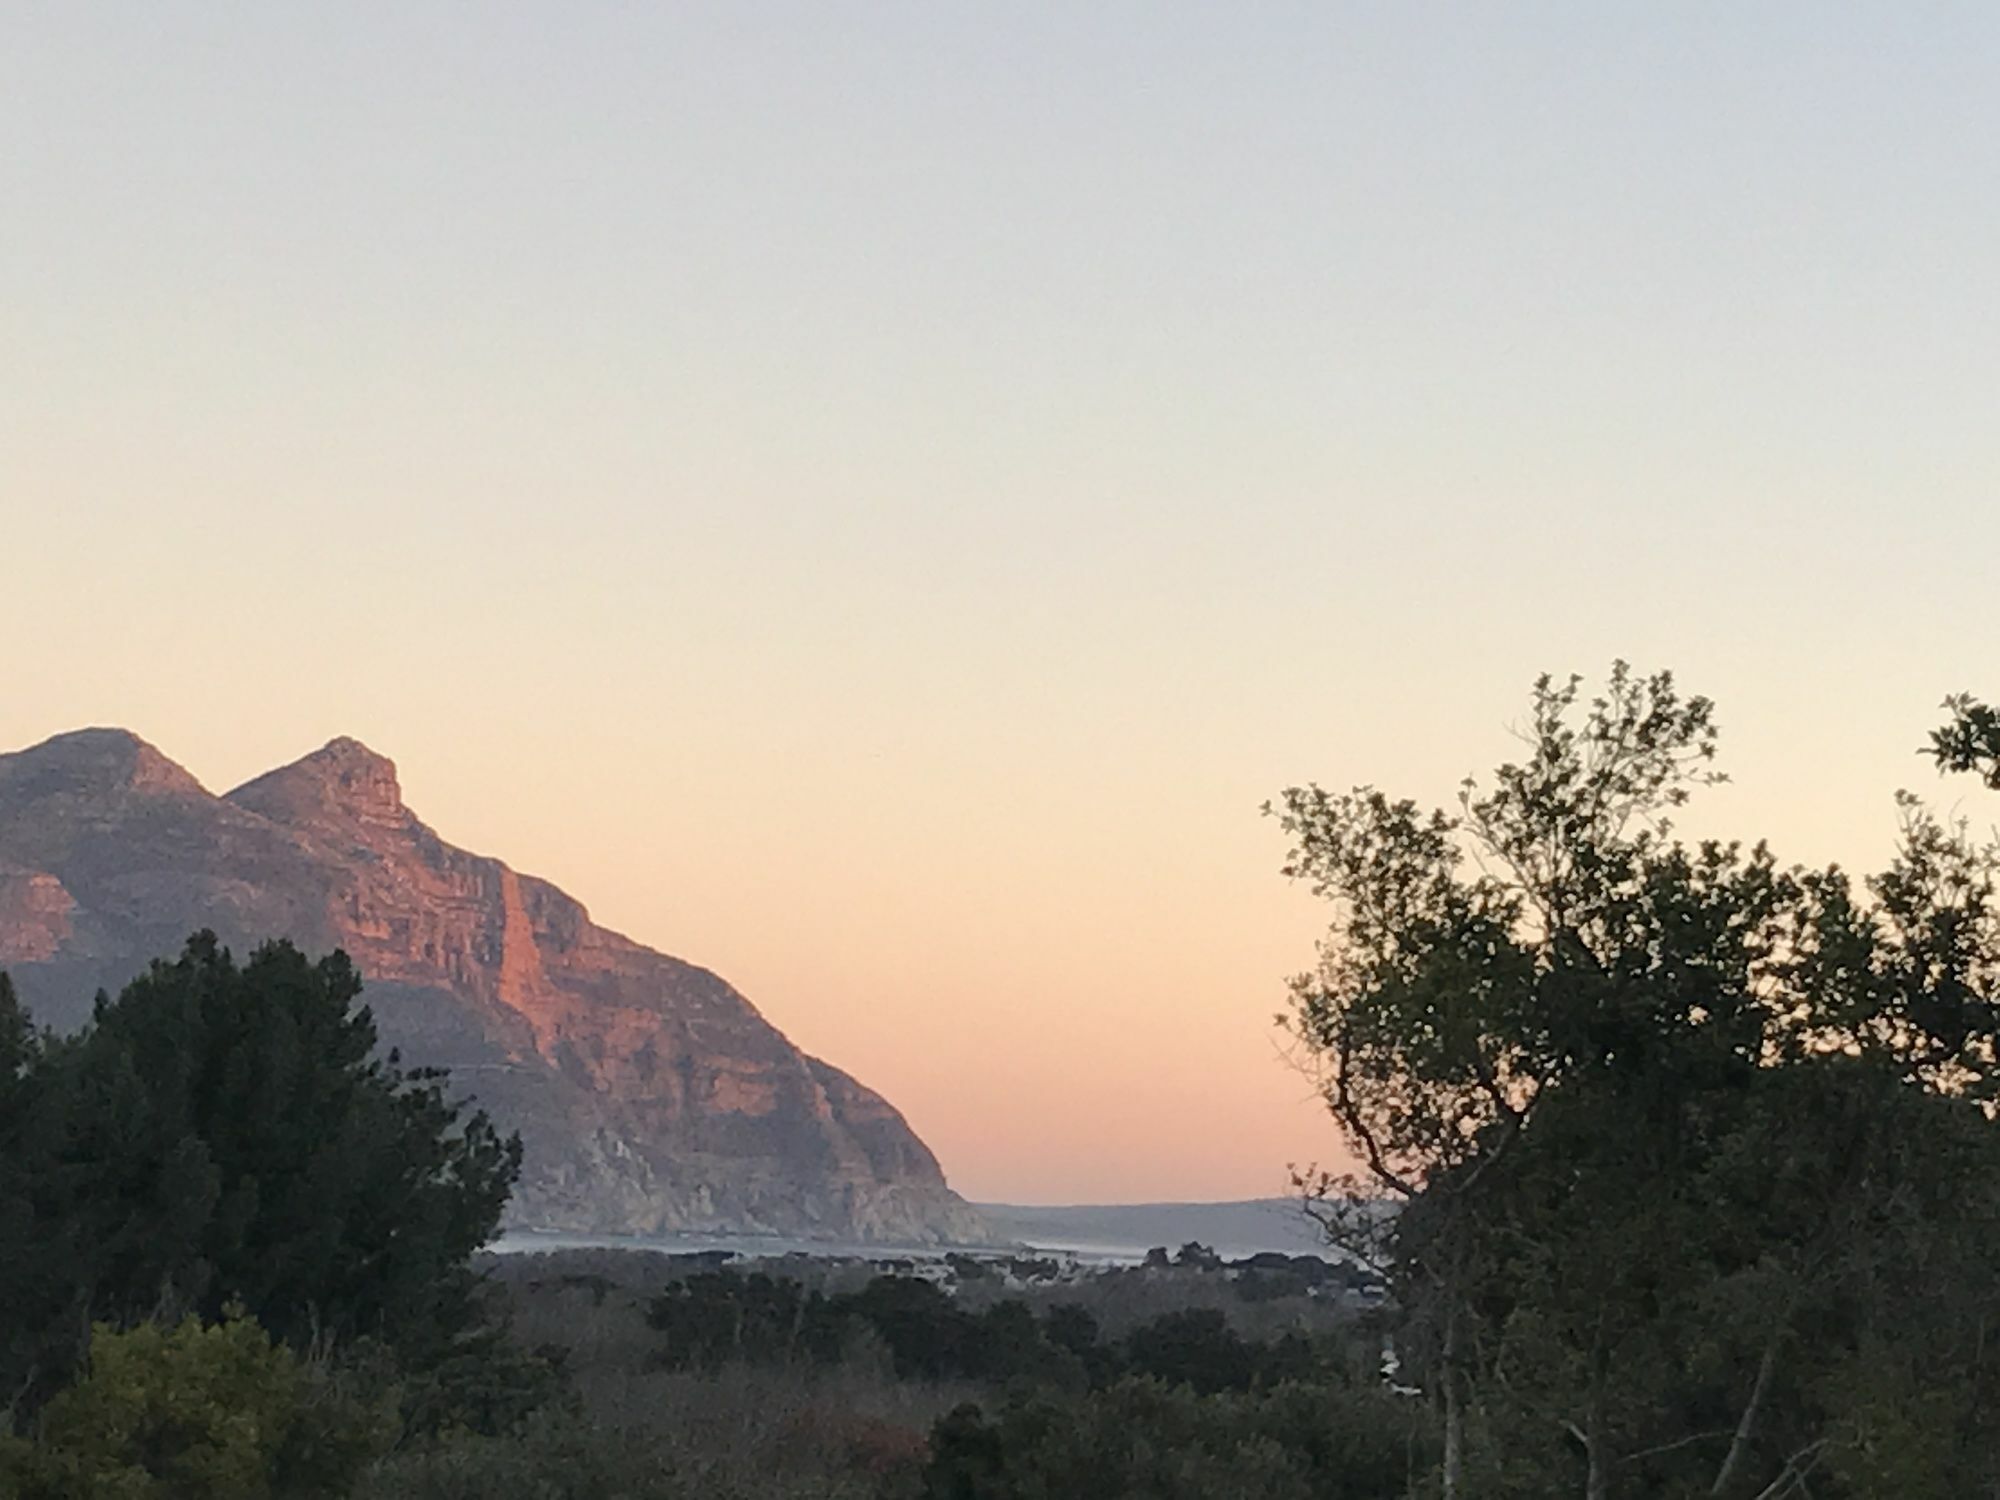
[650, 1095]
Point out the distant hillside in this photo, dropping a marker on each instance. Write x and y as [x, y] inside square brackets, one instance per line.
[651, 1096]
[1234, 1229]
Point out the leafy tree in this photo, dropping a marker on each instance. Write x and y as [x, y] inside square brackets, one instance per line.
[1449, 1004]
[1196, 1256]
[1600, 1071]
[927, 1334]
[1194, 1347]
[714, 1317]
[226, 1134]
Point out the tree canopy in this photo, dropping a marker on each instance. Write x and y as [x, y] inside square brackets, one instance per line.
[1684, 1142]
[226, 1134]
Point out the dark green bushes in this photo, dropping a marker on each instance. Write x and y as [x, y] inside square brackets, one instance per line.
[1142, 1437]
[220, 1413]
[714, 1317]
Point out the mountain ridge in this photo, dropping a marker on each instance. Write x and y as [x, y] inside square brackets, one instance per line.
[651, 1095]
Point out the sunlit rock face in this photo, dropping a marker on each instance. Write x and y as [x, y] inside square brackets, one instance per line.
[649, 1094]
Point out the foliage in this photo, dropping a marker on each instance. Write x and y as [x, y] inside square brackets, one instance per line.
[716, 1316]
[549, 1459]
[218, 1412]
[712, 1318]
[1672, 1127]
[225, 1133]
[484, 1383]
[569, 1458]
[34, 1276]
[1969, 740]
[1144, 1438]
[1197, 1348]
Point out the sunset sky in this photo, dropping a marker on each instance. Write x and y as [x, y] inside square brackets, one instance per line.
[871, 498]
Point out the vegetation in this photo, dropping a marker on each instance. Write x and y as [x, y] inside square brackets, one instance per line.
[1693, 1155]
[1678, 1176]
[1970, 739]
[1168, 1442]
[1003, 1389]
[220, 1412]
[222, 1142]
[713, 1318]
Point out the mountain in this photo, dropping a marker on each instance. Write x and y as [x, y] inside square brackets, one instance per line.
[650, 1095]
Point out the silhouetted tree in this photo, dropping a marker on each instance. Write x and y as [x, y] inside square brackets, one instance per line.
[1662, 1121]
[225, 1133]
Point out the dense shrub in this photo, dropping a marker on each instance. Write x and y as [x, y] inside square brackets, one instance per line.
[548, 1459]
[217, 1412]
[1141, 1438]
[486, 1383]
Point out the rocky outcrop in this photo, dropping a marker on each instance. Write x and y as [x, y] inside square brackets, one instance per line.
[649, 1094]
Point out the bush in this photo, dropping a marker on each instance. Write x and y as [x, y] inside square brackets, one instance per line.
[217, 1412]
[486, 1384]
[548, 1459]
[1143, 1439]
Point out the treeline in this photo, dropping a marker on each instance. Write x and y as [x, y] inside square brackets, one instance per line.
[1181, 1405]
[712, 1318]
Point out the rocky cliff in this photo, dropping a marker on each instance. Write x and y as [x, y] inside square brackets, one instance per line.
[650, 1095]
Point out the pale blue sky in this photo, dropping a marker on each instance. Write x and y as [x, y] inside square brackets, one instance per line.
[921, 474]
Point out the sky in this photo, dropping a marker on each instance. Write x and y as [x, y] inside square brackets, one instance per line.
[872, 498]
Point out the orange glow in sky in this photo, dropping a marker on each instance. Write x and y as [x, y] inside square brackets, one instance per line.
[873, 500]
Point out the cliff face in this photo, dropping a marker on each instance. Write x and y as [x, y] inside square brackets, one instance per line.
[650, 1095]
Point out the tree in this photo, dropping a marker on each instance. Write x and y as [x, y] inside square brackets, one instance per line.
[23, 1291]
[1583, 1058]
[1448, 1004]
[17, 1041]
[225, 1134]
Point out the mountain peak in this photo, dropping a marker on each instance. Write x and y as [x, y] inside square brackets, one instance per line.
[95, 760]
[348, 756]
[649, 1095]
[343, 776]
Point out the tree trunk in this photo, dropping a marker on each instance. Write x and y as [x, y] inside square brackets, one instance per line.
[1454, 1403]
[1597, 1475]
[1739, 1445]
[1597, 1465]
[1597, 1470]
